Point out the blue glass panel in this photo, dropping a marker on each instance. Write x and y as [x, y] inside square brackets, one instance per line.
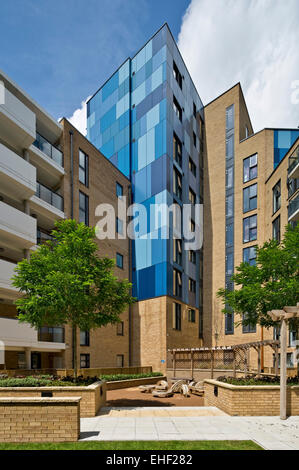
[108, 149]
[108, 119]
[110, 86]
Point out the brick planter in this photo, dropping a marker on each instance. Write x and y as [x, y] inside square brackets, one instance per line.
[252, 400]
[39, 419]
[93, 397]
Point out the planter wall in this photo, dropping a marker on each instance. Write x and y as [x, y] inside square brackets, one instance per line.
[39, 419]
[255, 400]
[92, 397]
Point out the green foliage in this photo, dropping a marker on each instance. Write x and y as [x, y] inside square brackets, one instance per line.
[255, 380]
[272, 284]
[113, 378]
[35, 381]
[66, 282]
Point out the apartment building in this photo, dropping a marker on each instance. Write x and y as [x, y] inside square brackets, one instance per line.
[49, 171]
[250, 195]
[31, 175]
[147, 119]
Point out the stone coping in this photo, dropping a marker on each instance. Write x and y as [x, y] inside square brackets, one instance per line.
[132, 382]
[247, 387]
[56, 388]
[37, 400]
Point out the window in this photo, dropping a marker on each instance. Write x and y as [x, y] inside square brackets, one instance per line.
[246, 132]
[192, 225]
[120, 328]
[119, 226]
[229, 235]
[177, 75]
[177, 251]
[276, 229]
[84, 361]
[194, 109]
[229, 324]
[177, 149]
[276, 197]
[83, 208]
[192, 196]
[83, 168]
[177, 283]
[229, 182]
[251, 328]
[292, 337]
[250, 198]
[250, 168]
[177, 109]
[192, 256]
[177, 317]
[229, 264]
[191, 315]
[119, 260]
[249, 255]
[192, 285]
[230, 146]
[249, 228]
[192, 166]
[119, 190]
[84, 338]
[230, 118]
[229, 205]
[177, 183]
[119, 360]
[194, 140]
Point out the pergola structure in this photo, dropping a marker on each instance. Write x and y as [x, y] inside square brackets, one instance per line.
[223, 355]
[288, 313]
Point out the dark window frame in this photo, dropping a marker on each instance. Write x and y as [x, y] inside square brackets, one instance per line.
[120, 256]
[177, 109]
[251, 168]
[85, 209]
[276, 197]
[118, 185]
[177, 317]
[276, 229]
[84, 168]
[250, 198]
[250, 228]
[86, 341]
[86, 358]
[177, 75]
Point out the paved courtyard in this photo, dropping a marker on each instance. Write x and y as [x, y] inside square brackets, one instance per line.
[190, 423]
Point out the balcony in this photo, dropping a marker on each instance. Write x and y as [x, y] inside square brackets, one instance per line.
[48, 160]
[17, 177]
[293, 169]
[7, 290]
[17, 122]
[293, 209]
[49, 334]
[17, 335]
[42, 237]
[48, 206]
[17, 230]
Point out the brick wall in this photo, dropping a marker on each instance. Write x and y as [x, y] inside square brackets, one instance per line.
[92, 398]
[250, 400]
[39, 419]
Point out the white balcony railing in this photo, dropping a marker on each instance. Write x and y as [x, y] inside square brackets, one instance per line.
[17, 228]
[17, 176]
[21, 335]
[17, 122]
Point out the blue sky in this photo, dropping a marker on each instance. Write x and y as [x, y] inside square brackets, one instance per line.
[61, 51]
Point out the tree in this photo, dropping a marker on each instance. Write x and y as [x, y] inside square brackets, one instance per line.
[66, 282]
[271, 284]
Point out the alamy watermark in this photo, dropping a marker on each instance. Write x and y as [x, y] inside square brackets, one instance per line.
[155, 221]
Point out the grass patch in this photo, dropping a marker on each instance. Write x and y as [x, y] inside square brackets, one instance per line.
[136, 445]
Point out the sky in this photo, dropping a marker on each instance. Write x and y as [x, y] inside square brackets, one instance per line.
[62, 51]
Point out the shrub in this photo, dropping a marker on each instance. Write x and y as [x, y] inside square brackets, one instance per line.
[113, 378]
[255, 380]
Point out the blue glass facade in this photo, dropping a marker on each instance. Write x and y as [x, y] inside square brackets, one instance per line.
[132, 120]
[283, 141]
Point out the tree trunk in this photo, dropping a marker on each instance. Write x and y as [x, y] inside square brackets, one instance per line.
[75, 352]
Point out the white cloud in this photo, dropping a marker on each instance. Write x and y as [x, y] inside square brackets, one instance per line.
[78, 119]
[251, 41]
